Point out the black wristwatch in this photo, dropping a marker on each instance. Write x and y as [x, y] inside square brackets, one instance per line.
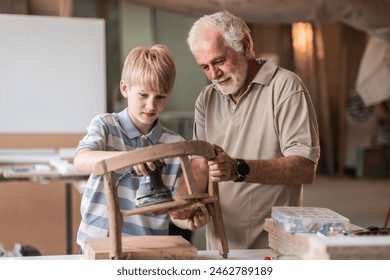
[242, 170]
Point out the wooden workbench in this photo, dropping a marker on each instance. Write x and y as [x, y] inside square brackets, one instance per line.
[255, 254]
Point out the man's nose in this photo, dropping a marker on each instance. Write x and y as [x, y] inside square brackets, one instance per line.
[215, 73]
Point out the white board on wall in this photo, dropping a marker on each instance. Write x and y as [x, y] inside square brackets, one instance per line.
[52, 73]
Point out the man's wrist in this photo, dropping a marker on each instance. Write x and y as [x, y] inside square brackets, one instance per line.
[241, 170]
[233, 176]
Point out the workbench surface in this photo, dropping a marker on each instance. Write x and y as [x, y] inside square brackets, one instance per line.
[255, 254]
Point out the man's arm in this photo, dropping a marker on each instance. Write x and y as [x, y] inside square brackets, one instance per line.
[284, 170]
[200, 170]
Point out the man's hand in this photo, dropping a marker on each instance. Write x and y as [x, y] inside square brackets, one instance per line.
[222, 167]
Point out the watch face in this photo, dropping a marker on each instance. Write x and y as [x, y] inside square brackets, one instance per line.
[242, 168]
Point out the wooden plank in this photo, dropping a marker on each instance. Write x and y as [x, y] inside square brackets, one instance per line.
[349, 248]
[281, 248]
[143, 248]
[285, 243]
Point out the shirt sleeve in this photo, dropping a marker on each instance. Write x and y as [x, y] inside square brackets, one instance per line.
[297, 127]
[96, 137]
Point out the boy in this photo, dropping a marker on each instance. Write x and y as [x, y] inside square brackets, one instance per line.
[147, 81]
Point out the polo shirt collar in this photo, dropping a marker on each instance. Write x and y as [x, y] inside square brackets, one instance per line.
[132, 132]
[266, 72]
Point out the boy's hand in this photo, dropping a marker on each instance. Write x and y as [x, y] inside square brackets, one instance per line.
[183, 214]
[201, 218]
[196, 217]
[141, 169]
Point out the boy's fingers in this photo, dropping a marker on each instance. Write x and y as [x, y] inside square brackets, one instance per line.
[200, 218]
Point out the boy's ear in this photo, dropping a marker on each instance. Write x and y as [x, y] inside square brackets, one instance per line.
[124, 89]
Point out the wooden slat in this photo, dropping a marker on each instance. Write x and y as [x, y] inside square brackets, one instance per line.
[179, 204]
[188, 176]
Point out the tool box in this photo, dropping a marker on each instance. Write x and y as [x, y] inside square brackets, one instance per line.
[309, 219]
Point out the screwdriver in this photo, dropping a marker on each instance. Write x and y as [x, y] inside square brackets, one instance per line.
[372, 231]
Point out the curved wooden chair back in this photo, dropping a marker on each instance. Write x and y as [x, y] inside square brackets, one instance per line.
[107, 168]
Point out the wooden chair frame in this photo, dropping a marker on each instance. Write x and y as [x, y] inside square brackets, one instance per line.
[210, 200]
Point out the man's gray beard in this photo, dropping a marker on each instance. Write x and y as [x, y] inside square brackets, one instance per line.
[234, 89]
[243, 69]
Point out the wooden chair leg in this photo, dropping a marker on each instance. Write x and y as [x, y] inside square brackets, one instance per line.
[218, 223]
[115, 217]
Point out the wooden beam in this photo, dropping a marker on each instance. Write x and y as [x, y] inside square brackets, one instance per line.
[109, 10]
[65, 8]
[320, 58]
[342, 141]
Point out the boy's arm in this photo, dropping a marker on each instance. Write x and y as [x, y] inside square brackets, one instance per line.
[86, 159]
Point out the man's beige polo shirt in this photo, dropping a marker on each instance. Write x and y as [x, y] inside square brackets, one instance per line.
[274, 118]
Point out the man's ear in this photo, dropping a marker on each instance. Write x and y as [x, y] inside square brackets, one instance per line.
[246, 43]
[124, 88]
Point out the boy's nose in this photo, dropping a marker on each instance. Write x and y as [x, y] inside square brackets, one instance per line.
[151, 104]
